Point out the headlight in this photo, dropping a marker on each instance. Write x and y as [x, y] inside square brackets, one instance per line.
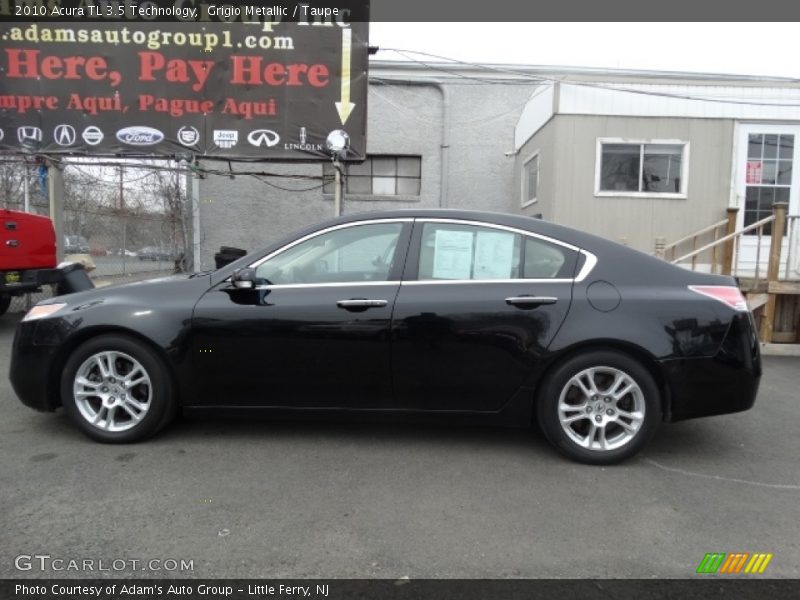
[42, 311]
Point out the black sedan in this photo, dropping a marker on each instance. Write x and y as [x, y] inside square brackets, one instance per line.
[485, 317]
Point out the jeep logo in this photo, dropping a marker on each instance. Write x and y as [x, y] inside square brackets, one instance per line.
[140, 136]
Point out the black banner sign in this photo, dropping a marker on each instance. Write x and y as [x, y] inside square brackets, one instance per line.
[258, 87]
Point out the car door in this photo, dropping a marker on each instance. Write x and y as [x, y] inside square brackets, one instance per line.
[315, 330]
[478, 306]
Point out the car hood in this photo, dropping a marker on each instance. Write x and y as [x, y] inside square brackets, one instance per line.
[148, 291]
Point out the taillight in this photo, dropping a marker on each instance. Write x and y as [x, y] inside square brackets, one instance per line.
[726, 294]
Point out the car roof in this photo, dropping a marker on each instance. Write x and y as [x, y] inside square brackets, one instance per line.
[572, 236]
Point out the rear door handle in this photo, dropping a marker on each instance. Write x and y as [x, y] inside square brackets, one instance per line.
[360, 304]
[530, 301]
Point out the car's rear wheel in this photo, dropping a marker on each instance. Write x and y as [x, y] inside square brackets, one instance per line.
[116, 389]
[600, 407]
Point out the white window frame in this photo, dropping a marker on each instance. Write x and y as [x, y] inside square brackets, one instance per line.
[524, 199]
[682, 195]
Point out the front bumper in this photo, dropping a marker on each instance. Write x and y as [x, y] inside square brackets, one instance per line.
[724, 383]
[31, 372]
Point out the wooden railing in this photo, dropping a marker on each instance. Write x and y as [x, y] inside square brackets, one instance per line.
[721, 257]
[793, 234]
[736, 238]
[729, 245]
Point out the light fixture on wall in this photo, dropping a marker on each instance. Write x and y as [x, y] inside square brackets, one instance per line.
[337, 143]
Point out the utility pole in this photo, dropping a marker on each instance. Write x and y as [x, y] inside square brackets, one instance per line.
[337, 190]
[25, 187]
[55, 179]
[123, 214]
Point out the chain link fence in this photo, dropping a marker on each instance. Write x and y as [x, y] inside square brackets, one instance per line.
[125, 221]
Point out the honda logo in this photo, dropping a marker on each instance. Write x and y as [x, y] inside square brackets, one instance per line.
[64, 135]
[29, 134]
[263, 137]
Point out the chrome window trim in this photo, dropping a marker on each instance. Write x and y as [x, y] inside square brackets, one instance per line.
[327, 230]
[588, 266]
[482, 281]
[300, 286]
[496, 226]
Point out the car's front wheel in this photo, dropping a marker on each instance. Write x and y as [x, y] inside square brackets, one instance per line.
[116, 389]
[600, 407]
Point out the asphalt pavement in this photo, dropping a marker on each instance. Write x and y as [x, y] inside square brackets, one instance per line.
[261, 498]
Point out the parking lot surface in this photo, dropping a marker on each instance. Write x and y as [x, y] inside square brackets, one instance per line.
[261, 498]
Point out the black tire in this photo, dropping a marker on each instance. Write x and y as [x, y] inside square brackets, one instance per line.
[5, 302]
[594, 429]
[162, 405]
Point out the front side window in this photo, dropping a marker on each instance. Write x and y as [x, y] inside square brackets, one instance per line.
[469, 252]
[647, 168]
[379, 175]
[352, 254]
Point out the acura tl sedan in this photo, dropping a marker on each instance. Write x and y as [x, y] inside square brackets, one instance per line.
[471, 316]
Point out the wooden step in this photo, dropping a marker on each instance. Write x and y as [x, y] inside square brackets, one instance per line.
[784, 287]
[756, 300]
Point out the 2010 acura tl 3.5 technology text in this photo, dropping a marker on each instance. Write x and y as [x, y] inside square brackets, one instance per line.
[498, 318]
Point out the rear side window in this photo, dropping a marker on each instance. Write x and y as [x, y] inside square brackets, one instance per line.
[468, 252]
[544, 260]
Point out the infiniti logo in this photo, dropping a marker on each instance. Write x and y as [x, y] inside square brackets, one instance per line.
[263, 137]
[140, 136]
[64, 135]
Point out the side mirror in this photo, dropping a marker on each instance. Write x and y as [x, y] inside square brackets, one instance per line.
[244, 279]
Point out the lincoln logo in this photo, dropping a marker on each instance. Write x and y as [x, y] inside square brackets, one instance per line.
[263, 137]
[140, 136]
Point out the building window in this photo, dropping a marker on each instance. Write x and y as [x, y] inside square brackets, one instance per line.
[769, 176]
[530, 180]
[379, 176]
[653, 168]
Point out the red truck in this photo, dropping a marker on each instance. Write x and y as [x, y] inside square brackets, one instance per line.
[28, 258]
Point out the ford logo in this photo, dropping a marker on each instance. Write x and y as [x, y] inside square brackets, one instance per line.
[140, 136]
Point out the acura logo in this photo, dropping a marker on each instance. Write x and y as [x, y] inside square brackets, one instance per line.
[140, 136]
[263, 137]
[64, 135]
[29, 134]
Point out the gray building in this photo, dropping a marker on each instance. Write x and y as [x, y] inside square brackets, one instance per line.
[434, 139]
[631, 156]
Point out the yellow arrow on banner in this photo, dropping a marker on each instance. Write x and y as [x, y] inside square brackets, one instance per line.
[345, 107]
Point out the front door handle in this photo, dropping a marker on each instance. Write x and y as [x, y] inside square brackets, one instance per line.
[360, 304]
[530, 301]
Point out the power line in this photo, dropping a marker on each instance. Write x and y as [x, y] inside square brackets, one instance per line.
[530, 78]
